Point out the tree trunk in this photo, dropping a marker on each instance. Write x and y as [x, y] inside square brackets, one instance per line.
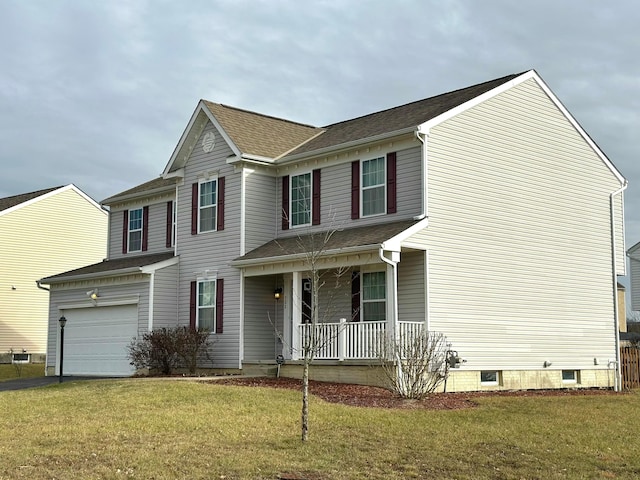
[305, 398]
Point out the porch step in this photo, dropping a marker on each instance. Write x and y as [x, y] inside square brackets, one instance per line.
[259, 369]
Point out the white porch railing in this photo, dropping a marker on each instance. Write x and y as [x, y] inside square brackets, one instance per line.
[352, 340]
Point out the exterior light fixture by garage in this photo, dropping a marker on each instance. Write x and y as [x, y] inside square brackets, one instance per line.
[93, 294]
[62, 321]
[277, 293]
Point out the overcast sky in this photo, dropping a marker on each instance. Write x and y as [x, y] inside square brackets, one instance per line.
[97, 93]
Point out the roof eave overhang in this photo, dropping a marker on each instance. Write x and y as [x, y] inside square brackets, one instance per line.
[301, 256]
[146, 269]
[346, 145]
[136, 195]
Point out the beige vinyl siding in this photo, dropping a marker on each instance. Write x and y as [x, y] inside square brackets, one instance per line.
[214, 250]
[262, 315]
[165, 298]
[335, 198]
[519, 237]
[77, 296]
[157, 229]
[261, 209]
[411, 287]
[50, 236]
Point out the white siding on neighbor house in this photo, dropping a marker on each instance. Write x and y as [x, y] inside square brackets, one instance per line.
[519, 237]
[76, 296]
[157, 227]
[262, 317]
[214, 250]
[61, 232]
[165, 299]
[261, 209]
[411, 287]
[335, 198]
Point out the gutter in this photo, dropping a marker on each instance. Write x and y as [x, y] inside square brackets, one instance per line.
[41, 287]
[616, 320]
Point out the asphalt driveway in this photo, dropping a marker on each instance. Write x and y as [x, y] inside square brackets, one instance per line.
[22, 383]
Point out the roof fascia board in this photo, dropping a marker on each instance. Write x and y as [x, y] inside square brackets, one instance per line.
[345, 146]
[395, 242]
[160, 265]
[300, 256]
[95, 275]
[141, 194]
[186, 135]
[632, 251]
[531, 74]
[71, 186]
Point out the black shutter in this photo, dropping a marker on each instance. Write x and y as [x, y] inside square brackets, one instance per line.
[194, 209]
[220, 200]
[315, 207]
[285, 202]
[355, 296]
[192, 305]
[355, 189]
[391, 182]
[219, 304]
[169, 229]
[145, 228]
[125, 231]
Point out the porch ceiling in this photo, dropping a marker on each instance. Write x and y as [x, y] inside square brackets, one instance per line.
[342, 241]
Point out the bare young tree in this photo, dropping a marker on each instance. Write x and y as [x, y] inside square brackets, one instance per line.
[415, 364]
[326, 286]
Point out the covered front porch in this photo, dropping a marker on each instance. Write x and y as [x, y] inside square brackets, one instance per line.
[343, 309]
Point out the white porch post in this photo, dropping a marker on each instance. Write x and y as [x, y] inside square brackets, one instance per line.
[392, 294]
[287, 318]
[296, 318]
[342, 339]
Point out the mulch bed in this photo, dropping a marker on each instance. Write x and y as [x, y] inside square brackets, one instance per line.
[366, 396]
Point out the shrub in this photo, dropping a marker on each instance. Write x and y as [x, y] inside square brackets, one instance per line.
[165, 349]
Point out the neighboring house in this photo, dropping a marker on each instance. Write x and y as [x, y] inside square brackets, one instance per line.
[41, 233]
[634, 275]
[459, 213]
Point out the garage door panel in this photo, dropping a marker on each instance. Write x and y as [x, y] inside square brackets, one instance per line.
[96, 340]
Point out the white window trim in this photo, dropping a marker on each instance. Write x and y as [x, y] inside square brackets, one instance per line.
[291, 225]
[492, 383]
[573, 380]
[130, 231]
[215, 205]
[362, 187]
[364, 272]
[200, 281]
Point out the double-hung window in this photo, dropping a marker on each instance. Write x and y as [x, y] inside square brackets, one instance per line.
[207, 205]
[374, 302]
[374, 187]
[301, 200]
[135, 230]
[206, 307]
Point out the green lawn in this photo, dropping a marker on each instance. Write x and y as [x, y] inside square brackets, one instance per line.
[171, 429]
[9, 371]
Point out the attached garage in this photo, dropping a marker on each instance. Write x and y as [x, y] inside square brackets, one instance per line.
[96, 340]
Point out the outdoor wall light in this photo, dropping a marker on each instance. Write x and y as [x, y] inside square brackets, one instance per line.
[93, 294]
[546, 364]
[277, 293]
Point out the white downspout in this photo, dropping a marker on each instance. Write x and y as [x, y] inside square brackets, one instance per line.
[393, 263]
[423, 137]
[152, 281]
[616, 321]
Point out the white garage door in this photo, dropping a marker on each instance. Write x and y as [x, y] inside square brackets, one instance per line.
[96, 340]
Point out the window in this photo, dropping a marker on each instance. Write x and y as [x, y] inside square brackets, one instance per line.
[569, 376]
[374, 303]
[207, 206]
[301, 200]
[489, 377]
[206, 305]
[20, 358]
[135, 230]
[373, 187]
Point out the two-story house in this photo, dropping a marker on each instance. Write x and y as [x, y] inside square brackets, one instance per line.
[458, 213]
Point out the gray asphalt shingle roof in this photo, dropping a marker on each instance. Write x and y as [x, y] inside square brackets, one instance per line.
[8, 202]
[373, 235]
[113, 265]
